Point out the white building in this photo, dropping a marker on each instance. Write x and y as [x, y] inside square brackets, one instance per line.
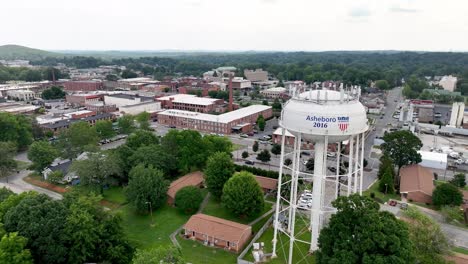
[433, 160]
[257, 75]
[239, 83]
[22, 95]
[275, 92]
[458, 111]
[135, 109]
[125, 99]
[449, 83]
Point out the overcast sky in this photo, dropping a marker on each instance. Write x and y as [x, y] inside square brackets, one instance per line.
[312, 25]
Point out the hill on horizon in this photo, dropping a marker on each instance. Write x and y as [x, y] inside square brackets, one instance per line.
[17, 52]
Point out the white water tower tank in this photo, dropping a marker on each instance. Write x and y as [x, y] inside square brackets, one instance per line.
[317, 113]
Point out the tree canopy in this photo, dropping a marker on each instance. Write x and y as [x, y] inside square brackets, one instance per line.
[54, 92]
[145, 186]
[16, 129]
[42, 154]
[7, 159]
[219, 168]
[104, 129]
[264, 156]
[188, 199]
[161, 255]
[79, 137]
[126, 124]
[242, 195]
[261, 123]
[447, 194]
[359, 233]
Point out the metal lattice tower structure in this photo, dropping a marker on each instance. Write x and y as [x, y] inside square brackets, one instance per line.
[324, 119]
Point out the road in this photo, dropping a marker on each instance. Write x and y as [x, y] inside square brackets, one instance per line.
[18, 185]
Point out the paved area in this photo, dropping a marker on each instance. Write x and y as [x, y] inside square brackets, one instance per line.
[18, 185]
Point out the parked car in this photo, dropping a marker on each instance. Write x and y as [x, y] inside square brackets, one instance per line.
[305, 153]
[249, 162]
[243, 135]
[331, 154]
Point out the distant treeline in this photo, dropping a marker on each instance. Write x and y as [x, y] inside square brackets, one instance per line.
[350, 67]
[30, 75]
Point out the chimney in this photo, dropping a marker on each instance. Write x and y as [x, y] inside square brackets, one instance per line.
[230, 93]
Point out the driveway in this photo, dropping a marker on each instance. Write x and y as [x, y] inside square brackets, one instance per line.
[17, 185]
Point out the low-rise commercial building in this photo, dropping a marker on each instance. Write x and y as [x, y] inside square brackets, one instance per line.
[135, 109]
[125, 99]
[449, 83]
[275, 92]
[192, 179]
[433, 160]
[58, 125]
[77, 100]
[192, 103]
[214, 231]
[74, 86]
[257, 75]
[240, 120]
[21, 95]
[239, 83]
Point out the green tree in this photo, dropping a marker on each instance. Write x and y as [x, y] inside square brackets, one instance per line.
[54, 92]
[219, 168]
[104, 129]
[402, 148]
[55, 177]
[161, 255]
[264, 156]
[12, 250]
[255, 146]
[156, 156]
[242, 195]
[447, 194]
[382, 85]
[127, 74]
[189, 148]
[245, 154]
[97, 170]
[141, 138]
[4, 194]
[42, 221]
[276, 105]
[264, 102]
[7, 159]
[143, 120]
[126, 124]
[429, 242]
[459, 180]
[216, 143]
[261, 122]
[287, 161]
[360, 233]
[276, 149]
[310, 164]
[188, 199]
[112, 77]
[386, 183]
[145, 186]
[79, 137]
[16, 129]
[385, 164]
[42, 154]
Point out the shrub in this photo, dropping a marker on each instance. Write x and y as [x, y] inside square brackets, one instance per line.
[188, 199]
[447, 194]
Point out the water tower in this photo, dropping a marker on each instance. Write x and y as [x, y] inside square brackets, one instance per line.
[319, 120]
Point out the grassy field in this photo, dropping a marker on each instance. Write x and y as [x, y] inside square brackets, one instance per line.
[237, 147]
[140, 230]
[460, 250]
[215, 208]
[375, 189]
[197, 253]
[300, 254]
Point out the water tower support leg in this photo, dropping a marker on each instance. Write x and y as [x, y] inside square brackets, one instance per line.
[350, 163]
[356, 166]
[362, 163]
[278, 194]
[320, 149]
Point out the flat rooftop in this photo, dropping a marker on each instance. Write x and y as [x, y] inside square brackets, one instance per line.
[188, 99]
[223, 118]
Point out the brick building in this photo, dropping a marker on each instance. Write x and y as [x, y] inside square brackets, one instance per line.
[214, 231]
[192, 103]
[191, 179]
[416, 183]
[83, 99]
[240, 120]
[87, 86]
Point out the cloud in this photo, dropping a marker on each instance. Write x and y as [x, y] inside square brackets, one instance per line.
[359, 12]
[397, 9]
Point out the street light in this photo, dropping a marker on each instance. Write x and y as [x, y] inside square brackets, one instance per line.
[151, 213]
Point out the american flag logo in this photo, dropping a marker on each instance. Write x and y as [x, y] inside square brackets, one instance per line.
[343, 125]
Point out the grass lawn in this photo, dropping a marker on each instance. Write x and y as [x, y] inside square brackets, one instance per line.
[237, 147]
[197, 253]
[375, 189]
[260, 223]
[140, 232]
[460, 250]
[114, 194]
[215, 208]
[282, 249]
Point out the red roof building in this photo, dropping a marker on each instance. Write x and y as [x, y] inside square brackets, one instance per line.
[191, 179]
[416, 183]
